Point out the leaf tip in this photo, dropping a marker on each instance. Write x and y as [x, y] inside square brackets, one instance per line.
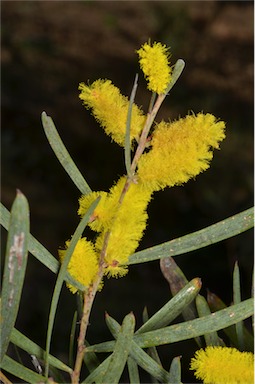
[198, 282]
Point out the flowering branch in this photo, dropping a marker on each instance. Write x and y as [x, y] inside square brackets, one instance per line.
[119, 232]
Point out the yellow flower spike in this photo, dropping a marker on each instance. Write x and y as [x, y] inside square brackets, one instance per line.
[110, 109]
[222, 365]
[180, 150]
[127, 227]
[102, 216]
[154, 62]
[83, 265]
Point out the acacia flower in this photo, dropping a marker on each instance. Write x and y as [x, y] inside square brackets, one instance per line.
[102, 216]
[110, 109]
[83, 265]
[180, 150]
[126, 222]
[154, 62]
[222, 365]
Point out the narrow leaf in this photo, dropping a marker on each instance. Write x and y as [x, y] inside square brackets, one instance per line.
[97, 375]
[121, 350]
[173, 274]
[34, 247]
[23, 342]
[175, 371]
[128, 125]
[133, 371]
[237, 299]
[177, 280]
[90, 359]
[152, 352]
[15, 267]
[148, 364]
[188, 329]
[213, 234]
[216, 304]
[63, 155]
[178, 68]
[172, 308]
[60, 279]
[38, 250]
[197, 327]
[152, 101]
[72, 338]
[18, 370]
[141, 357]
[203, 309]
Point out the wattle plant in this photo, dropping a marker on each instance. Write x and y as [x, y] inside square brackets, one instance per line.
[157, 156]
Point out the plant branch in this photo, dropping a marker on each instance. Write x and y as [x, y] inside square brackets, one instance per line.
[90, 294]
[89, 297]
[143, 138]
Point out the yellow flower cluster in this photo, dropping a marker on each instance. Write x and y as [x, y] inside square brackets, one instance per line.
[154, 62]
[110, 109]
[178, 151]
[222, 365]
[83, 265]
[126, 228]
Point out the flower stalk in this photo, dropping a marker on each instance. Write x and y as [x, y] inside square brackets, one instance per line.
[90, 294]
[118, 232]
[143, 138]
[88, 300]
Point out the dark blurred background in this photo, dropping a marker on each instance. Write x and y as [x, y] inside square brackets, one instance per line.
[48, 48]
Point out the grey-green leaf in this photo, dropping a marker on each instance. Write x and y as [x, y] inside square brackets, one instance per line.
[216, 304]
[237, 299]
[140, 356]
[173, 307]
[177, 280]
[133, 371]
[213, 234]
[61, 276]
[90, 360]
[188, 329]
[197, 327]
[127, 151]
[63, 155]
[203, 309]
[178, 68]
[97, 375]
[38, 250]
[23, 342]
[121, 351]
[20, 371]
[175, 371]
[15, 267]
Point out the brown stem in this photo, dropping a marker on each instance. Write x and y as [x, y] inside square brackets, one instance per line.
[4, 379]
[149, 121]
[139, 151]
[89, 297]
